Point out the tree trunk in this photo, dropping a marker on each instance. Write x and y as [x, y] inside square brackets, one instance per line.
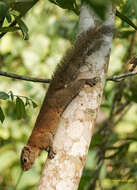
[76, 125]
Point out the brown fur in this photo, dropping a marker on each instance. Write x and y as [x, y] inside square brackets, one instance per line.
[63, 88]
[29, 153]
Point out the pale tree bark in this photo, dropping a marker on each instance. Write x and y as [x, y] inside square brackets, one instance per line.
[76, 125]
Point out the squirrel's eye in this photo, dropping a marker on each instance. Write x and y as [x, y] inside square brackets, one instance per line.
[24, 160]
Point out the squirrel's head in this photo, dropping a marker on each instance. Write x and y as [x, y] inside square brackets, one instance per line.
[28, 156]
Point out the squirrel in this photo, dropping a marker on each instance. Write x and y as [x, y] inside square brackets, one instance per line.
[65, 85]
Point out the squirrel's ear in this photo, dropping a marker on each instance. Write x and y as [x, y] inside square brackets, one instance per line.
[27, 148]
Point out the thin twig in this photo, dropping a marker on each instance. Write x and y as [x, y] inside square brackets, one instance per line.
[122, 76]
[125, 19]
[21, 77]
[33, 79]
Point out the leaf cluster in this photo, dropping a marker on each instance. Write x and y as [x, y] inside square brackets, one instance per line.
[20, 105]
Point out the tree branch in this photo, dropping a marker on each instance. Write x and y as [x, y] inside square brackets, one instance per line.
[125, 19]
[26, 78]
[122, 76]
[75, 129]
[34, 79]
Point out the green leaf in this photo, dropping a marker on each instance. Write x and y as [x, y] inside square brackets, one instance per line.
[65, 4]
[4, 95]
[20, 108]
[23, 6]
[27, 102]
[96, 140]
[2, 117]
[8, 17]
[23, 27]
[34, 104]
[9, 29]
[3, 12]
[99, 6]
[11, 95]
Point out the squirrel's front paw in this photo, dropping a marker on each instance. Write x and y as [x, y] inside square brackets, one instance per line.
[51, 153]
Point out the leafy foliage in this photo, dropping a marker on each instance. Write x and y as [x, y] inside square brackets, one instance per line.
[4, 95]
[112, 154]
[98, 6]
[20, 108]
[20, 105]
[2, 117]
[23, 28]
[4, 13]
[28, 58]
[65, 4]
